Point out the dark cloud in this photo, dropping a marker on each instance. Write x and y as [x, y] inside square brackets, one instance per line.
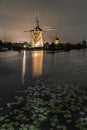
[67, 16]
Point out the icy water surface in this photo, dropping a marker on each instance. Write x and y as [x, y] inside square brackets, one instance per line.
[40, 91]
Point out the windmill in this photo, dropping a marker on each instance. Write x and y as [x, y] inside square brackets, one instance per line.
[37, 33]
[57, 40]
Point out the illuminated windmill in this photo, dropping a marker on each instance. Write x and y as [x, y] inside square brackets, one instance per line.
[37, 33]
[57, 40]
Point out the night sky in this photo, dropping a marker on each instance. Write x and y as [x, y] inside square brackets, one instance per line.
[69, 17]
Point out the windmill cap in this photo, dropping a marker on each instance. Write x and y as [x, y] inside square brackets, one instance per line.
[38, 29]
[57, 39]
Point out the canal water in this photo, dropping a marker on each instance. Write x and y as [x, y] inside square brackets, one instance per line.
[20, 69]
[43, 83]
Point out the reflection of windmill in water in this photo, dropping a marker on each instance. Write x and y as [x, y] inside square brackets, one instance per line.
[37, 33]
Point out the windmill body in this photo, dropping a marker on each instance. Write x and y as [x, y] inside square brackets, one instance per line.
[37, 40]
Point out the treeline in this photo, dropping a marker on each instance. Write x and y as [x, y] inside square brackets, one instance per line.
[65, 46]
[4, 46]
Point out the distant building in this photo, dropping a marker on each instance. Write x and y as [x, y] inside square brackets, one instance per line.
[83, 43]
[57, 41]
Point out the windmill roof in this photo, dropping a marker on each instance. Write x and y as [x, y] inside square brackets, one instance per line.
[38, 28]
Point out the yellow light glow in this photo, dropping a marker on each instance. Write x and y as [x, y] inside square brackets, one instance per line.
[37, 40]
[57, 41]
[37, 63]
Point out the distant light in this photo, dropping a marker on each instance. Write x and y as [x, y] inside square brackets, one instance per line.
[24, 46]
[37, 44]
[22, 40]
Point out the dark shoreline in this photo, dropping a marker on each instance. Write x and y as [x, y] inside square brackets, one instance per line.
[5, 46]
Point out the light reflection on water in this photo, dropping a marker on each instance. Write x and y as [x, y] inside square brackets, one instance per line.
[23, 67]
[17, 69]
[37, 63]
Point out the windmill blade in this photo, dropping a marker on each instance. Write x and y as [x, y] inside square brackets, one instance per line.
[37, 19]
[49, 29]
[29, 30]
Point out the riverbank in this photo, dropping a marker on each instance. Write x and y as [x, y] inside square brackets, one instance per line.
[4, 46]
